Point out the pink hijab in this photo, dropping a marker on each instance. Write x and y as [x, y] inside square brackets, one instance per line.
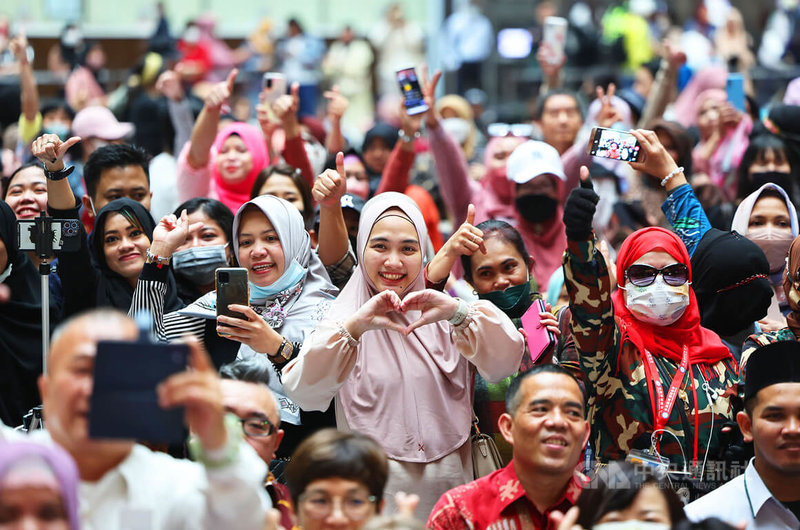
[234, 194]
[404, 389]
[686, 105]
[497, 198]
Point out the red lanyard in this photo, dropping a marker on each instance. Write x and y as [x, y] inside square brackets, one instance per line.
[664, 407]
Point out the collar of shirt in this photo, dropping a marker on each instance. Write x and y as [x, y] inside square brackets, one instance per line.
[510, 490]
[758, 495]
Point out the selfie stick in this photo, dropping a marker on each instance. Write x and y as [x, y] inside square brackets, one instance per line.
[44, 249]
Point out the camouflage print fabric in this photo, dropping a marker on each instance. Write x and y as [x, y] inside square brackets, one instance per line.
[620, 407]
[754, 342]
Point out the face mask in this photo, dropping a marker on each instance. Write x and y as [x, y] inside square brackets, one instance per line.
[631, 525]
[658, 303]
[58, 128]
[536, 208]
[784, 180]
[774, 243]
[197, 264]
[290, 277]
[6, 273]
[513, 301]
[458, 128]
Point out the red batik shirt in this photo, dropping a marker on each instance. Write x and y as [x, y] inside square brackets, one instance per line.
[498, 502]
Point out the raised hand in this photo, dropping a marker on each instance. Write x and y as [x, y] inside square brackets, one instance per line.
[608, 115]
[50, 150]
[566, 521]
[330, 185]
[198, 390]
[373, 315]
[337, 103]
[171, 232]
[429, 94]
[579, 209]
[468, 239]
[657, 161]
[286, 106]
[220, 92]
[433, 305]
[19, 47]
[169, 84]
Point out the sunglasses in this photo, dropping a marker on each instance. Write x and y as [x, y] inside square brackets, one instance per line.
[522, 130]
[644, 275]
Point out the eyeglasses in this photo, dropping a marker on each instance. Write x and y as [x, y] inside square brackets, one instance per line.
[257, 426]
[320, 505]
[644, 275]
[523, 130]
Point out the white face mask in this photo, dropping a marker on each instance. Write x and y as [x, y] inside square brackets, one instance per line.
[658, 303]
[631, 525]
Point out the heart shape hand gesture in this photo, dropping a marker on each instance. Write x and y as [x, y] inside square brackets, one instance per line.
[433, 305]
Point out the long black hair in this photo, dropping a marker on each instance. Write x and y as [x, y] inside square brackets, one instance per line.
[214, 209]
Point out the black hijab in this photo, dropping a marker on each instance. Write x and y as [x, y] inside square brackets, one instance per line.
[388, 134]
[20, 328]
[112, 289]
[731, 294]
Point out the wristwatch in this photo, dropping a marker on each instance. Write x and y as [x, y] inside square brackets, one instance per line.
[406, 138]
[60, 174]
[284, 353]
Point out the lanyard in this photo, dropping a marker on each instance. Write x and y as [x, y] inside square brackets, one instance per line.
[664, 407]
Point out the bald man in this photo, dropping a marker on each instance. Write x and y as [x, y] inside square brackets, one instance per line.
[124, 484]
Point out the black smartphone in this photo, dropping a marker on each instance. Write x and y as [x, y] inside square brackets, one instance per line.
[124, 403]
[614, 144]
[232, 288]
[412, 93]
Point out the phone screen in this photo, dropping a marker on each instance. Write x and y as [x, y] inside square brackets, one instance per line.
[616, 145]
[734, 87]
[412, 93]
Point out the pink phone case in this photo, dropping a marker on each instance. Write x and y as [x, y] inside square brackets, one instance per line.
[540, 339]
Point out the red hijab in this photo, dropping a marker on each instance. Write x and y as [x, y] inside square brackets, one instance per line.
[705, 347]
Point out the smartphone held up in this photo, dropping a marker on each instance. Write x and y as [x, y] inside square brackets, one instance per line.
[614, 145]
[232, 288]
[413, 98]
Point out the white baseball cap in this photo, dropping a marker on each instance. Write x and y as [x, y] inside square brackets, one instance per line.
[531, 159]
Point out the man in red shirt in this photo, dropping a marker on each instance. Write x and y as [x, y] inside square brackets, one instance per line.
[546, 425]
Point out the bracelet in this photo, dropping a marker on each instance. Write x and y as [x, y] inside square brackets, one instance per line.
[461, 313]
[406, 138]
[672, 173]
[160, 261]
[60, 174]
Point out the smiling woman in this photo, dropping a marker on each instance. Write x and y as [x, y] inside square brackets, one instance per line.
[26, 191]
[387, 345]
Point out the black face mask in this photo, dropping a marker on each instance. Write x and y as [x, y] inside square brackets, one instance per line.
[536, 208]
[784, 180]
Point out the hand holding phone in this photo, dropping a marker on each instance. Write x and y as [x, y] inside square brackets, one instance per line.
[614, 144]
[540, 339]
[232, 288]
[273, 85]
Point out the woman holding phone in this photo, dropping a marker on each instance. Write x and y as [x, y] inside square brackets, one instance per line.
[659, 379]
[398, 358]
[289, 292]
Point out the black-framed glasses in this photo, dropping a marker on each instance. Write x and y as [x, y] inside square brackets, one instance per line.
[319, 505]
[257, 426]
[644, 275]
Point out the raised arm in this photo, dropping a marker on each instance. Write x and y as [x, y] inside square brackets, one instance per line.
[180, 110]
[328, 190]
[29, 91]
[588, 284]
[337, 106]
[285, 109]
[681, 207]
[205, 128]
[664, 84]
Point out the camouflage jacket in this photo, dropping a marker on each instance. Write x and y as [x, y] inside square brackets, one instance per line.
[754, 342]
[619, 406]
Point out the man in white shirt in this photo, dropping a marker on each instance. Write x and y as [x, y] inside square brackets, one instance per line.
[125, 485]
[767, 495]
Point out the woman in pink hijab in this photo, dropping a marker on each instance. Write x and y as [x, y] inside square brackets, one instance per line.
[398, 359]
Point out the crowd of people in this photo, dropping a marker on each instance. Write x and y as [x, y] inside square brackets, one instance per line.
[625, 329]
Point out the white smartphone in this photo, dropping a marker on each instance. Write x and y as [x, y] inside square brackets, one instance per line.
[554, 34]
[275, 85]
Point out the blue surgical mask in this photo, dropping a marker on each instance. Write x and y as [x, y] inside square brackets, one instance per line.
[293, 274]
[59, 128]
[197, 264]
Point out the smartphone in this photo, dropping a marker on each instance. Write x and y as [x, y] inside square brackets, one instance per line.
[412, 93]
[49, 234]
[554, 34]
[232, 288]
[734, 86]
[124, 403]
[275, 85]
[614, 144]
[540, 339]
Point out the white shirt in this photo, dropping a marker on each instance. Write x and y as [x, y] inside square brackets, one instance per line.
[154, 491]
[745, 498]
